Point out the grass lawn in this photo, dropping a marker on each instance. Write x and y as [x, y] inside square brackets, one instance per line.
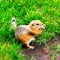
[47, 11]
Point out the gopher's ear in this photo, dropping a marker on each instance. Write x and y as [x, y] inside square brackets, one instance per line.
[31, 22]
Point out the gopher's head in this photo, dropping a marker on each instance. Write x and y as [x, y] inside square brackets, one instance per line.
[36, 27]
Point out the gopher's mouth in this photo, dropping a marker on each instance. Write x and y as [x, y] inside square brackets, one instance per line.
[41, 28]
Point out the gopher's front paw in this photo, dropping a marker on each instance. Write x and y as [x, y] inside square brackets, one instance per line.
[31, 47]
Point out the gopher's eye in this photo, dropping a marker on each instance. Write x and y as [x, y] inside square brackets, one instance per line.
[37, 24]
[32, 24]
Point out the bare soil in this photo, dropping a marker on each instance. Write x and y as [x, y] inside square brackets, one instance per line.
[40, 52]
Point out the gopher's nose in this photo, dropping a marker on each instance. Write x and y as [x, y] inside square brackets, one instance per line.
[42, 27]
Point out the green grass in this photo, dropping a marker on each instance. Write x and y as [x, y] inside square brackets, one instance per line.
[47, 11]
[54, 51]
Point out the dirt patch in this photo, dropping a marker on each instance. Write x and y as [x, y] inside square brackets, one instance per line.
[40, 52]
[58, 57]
[37, 53]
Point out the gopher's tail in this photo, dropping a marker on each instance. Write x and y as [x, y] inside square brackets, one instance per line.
[13, 22]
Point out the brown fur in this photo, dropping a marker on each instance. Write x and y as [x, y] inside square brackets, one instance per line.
[26, 33]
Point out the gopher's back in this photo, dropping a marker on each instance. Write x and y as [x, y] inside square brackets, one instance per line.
[20, 30]
[22, 33]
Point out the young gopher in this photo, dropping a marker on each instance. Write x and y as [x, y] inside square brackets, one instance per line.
[26, 33]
